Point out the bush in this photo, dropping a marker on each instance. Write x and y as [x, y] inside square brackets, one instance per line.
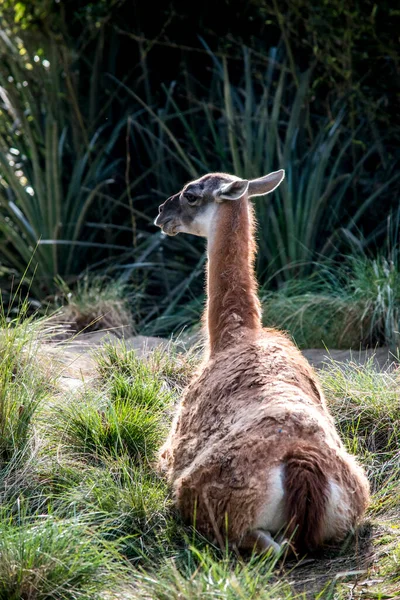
[100, 147]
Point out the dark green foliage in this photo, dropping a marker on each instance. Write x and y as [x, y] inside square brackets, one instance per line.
[101, 139]
[54, 168]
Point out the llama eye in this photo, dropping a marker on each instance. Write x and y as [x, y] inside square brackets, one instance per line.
[191, 198]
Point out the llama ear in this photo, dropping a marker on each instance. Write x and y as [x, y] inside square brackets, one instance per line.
[232, 191]
[265, 185]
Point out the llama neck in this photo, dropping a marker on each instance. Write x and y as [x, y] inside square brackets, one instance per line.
[232, 289]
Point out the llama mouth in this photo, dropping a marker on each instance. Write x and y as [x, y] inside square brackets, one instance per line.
[168, 228]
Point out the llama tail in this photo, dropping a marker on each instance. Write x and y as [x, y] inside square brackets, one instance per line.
[306, 496]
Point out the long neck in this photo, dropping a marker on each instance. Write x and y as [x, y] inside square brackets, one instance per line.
[232, 289]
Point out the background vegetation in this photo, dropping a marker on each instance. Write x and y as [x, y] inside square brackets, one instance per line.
[107, 108]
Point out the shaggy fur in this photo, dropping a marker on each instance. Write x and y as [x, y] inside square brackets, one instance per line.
[253, 450]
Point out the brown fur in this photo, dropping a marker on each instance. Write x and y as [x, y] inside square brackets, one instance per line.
[232, 299]
[306, 496]
[255, 410]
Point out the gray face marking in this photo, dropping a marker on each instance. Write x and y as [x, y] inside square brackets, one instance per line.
[194, 209]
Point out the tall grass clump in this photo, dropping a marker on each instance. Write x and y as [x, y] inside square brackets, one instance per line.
[365, 403]
[375, 285]
[98, 427]
[96, 303]
[315, 313]
[24, 381]
[351, 304]
[58, 559]
[127, 414]
[163, 370]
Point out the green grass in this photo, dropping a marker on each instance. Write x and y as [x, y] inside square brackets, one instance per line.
[85, 515]
[225, 579]
[53, 558]
[95, 303]
[314, 318]
[108, 427]
[24, 380]
[166, 370]
[126, 415]
[128, 503]
[366, 407]
[349, 305]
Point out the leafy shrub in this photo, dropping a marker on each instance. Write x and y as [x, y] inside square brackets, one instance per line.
[54, 169]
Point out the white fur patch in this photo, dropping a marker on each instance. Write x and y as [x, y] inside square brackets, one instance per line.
[271, 516]
[205, 222]
[338, 517]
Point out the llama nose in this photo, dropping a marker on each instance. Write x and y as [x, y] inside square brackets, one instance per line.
[159, 221]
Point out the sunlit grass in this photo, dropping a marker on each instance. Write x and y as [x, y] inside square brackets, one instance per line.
[98, 427]
[96, 303]
[366, 405]
[85, 515]
[52, 558]
[24, 380]
[225, 579]
[354, 304]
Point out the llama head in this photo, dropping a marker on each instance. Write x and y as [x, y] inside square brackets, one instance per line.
[194, 209]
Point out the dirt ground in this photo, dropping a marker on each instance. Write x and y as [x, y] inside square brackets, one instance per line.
[76, 353]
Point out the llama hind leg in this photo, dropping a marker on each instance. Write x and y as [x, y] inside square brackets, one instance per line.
[261, 541]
